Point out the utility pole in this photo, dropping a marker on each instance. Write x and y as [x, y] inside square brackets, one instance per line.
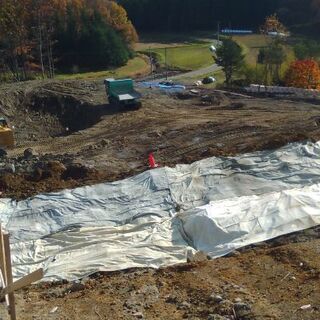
[151, 60]
[218, 32]
[165, 61]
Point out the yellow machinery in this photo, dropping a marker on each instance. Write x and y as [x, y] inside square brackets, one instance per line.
[6, 135]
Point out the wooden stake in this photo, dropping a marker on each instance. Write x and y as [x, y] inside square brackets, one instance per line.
[6, 275]
[3, 273]
[3, 258]
[12, 306]
[25, 281]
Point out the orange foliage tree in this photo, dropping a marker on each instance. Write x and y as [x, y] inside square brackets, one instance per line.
[272, 24]
[116, 16]
[303, 74]
[28, 29]
[14, 22]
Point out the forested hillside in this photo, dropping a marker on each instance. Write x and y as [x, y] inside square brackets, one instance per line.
[177, 15]
[41, 36]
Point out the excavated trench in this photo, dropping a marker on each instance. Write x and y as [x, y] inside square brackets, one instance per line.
[72, 113]
[40, 111]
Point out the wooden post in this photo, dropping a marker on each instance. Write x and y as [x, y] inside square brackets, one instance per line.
[6, 275]
[12, 306]
[3, 258]
[3, 273]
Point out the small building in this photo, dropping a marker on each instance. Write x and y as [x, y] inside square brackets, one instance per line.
[236, 31]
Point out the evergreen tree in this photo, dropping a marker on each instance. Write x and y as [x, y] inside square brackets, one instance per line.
[95, 44]
[230, 58]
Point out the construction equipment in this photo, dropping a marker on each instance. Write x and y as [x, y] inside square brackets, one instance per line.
[6, 135]
[122, 93]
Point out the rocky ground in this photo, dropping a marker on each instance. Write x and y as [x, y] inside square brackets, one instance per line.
[68, 136]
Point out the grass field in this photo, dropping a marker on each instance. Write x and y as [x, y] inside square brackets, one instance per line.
[186, 52]
[251, 45]
[184, 57]
[135, 67]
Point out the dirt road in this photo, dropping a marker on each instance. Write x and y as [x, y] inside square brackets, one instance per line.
[193, 74]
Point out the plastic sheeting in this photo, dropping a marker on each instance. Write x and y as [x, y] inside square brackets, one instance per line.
[154, 219]
[223, 226]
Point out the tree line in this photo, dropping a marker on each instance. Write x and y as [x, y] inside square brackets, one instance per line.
[180, 16]
[41, 36]
[304, 72]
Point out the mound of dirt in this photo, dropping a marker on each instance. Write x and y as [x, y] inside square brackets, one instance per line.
[30, 174]
[214, 99]
[203, 97]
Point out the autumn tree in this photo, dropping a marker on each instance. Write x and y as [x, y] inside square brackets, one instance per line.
[272, 24]
[116, 16]
[43, 23]
[36, 36]
[303, 74]
[14, 36]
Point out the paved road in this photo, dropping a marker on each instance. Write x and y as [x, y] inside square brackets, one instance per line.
[196, 73]
[181, 76]
[191, 74]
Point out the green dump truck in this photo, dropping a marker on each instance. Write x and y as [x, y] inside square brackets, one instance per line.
[122, 93]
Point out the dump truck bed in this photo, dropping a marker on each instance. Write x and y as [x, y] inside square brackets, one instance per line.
[123, 90]
[127, 96]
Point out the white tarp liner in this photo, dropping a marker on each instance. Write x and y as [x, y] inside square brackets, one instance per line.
[223, 226]
[154, 219]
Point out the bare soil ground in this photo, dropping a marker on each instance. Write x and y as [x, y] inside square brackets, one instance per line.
[78, 139]
[71, 123]
[269, 281]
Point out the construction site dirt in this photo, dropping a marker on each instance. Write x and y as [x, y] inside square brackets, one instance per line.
[68, 136]
[275, 280]
[74, 138]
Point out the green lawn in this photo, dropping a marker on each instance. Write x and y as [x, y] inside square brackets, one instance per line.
[187, 57]
[251, 45]
[135, 67]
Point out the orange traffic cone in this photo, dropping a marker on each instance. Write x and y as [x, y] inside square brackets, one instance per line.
[152, 161]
